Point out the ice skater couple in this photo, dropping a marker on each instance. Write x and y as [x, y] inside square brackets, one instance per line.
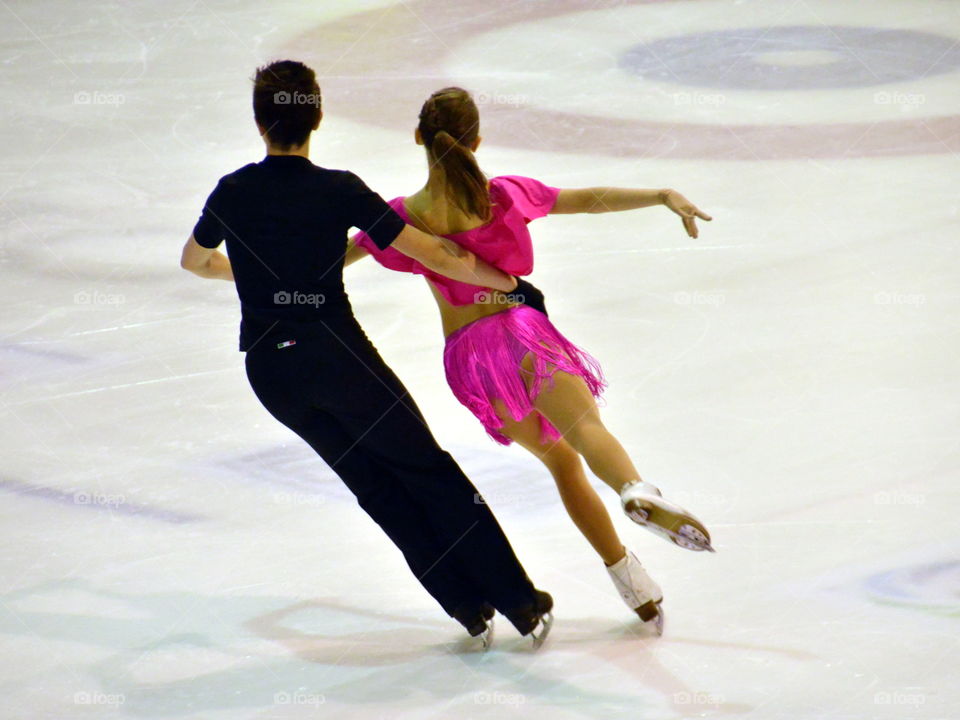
[285, 222]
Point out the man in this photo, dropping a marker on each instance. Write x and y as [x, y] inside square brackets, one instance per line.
[285, 223]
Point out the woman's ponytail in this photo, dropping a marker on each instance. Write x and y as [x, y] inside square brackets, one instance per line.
[466, 183]
[449, 125]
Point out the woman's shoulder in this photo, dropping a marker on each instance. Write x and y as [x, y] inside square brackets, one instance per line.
[513, 181]
[531, 197]
[397, 205]
[522, 185]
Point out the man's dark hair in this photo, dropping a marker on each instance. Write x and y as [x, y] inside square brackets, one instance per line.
[286, 102]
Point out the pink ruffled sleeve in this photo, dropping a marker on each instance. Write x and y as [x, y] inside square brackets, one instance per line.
[530, 197]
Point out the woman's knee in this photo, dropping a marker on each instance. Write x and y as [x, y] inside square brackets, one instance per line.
[585, 431]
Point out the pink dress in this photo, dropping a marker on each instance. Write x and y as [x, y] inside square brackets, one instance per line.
[483, 359]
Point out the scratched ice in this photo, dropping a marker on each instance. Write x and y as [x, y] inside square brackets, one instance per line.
[170, 551]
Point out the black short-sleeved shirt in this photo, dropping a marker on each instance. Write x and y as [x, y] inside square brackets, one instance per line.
[285, 222]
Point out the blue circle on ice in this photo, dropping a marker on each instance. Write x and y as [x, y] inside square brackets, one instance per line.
[794, 57]
[932, 586]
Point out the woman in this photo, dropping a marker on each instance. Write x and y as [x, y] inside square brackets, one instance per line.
[506, 361]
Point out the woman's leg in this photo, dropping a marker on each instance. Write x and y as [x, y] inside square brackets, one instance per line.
[568, 404]
[579, 498]
[638, 590]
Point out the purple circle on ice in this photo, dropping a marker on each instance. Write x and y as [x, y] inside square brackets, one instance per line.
[378, 82]
[825, 57]
[932, 586]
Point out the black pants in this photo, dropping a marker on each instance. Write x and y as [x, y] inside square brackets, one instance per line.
[336, 392]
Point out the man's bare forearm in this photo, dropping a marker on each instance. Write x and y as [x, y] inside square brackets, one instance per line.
[460, 264]
[216, 268]
[354, 253]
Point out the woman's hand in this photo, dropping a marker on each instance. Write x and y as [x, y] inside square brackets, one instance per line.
[685, 209]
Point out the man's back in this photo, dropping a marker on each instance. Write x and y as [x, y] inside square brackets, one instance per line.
[285, 223]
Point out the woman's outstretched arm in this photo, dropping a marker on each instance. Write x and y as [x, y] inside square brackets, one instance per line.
[608, 199]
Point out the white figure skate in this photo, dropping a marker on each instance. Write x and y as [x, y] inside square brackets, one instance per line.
[638, 590]
[643, 503]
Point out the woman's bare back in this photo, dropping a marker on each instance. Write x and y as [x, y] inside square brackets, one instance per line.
[439, 217]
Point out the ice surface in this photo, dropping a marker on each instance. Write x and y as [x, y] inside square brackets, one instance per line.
[170, 551]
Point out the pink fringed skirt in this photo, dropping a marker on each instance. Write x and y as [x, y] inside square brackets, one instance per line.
[483, 364]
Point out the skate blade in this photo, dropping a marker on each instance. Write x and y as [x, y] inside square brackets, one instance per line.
[658, 621]
[546, 622]
[652, 615]
[670, 522]
[486, 637]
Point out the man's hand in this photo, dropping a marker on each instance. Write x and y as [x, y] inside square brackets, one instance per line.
[449, 259]
[532, 297]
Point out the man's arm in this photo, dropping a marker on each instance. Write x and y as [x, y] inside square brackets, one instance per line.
[354, 252]
[205, 262]
[447, 258]
[366, 210]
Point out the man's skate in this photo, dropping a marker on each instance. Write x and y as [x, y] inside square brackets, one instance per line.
[537, 620]
[644, 504]
[478, 622]
[638, 590]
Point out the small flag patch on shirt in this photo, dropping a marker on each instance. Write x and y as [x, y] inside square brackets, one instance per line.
[286, 343]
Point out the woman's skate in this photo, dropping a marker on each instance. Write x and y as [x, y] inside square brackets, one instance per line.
[643, 503]
[638, 590]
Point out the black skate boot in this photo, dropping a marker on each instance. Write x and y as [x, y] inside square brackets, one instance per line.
[477, 620]
[535, 620]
